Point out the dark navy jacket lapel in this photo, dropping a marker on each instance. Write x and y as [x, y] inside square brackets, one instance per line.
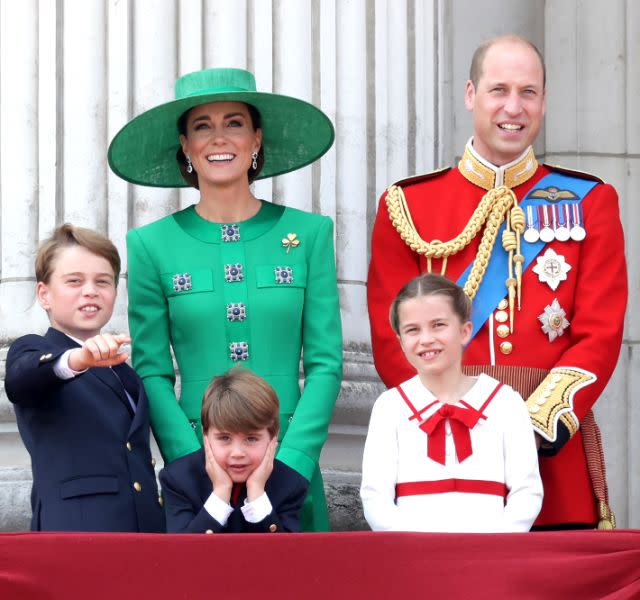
[104, 374]
[108, 377]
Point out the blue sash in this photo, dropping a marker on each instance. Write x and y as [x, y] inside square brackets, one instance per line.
[493, 289]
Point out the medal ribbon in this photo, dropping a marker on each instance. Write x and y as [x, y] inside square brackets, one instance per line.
[492, 288]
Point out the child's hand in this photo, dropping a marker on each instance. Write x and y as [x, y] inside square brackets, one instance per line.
[258, 479]
[99, 351]
[222, 484]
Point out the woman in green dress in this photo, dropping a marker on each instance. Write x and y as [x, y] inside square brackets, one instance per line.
[233, 279]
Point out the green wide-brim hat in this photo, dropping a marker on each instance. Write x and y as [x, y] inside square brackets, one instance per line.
[294, 132]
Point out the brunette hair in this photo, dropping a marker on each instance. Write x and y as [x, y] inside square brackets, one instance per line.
[429, 284]
[67, 235]
[192, 178]
[239, 401]
[475, 71]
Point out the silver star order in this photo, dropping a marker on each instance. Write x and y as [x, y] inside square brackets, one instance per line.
[551, 268]
[554, 320]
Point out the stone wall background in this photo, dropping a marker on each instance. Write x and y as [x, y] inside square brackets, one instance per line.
[390, 74]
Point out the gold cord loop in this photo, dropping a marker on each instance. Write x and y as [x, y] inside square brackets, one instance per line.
[496, 205]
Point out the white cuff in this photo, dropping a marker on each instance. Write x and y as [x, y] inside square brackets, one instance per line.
[218, 509]
[256, 511]
[62, 369]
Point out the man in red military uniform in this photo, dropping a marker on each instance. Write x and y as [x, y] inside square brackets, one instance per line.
[540, 250]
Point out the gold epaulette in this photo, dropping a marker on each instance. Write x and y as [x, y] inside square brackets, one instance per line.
[420, 178]
[552, 401]
[574, 172]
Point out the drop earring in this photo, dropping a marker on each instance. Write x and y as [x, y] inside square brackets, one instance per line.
[189, 165]
[254, 164]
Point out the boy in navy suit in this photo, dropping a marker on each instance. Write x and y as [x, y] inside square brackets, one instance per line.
[234, 484]
[81, 411]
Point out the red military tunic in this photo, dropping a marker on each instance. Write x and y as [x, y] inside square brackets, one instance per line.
[593, 296]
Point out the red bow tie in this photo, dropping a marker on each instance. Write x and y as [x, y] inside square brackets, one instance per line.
[461, 420]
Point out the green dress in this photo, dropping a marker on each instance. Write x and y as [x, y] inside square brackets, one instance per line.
[254, 293]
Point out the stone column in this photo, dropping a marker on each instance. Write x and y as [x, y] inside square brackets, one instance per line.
[592, 124]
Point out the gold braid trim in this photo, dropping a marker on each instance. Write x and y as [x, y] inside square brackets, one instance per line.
[490, 213]
[553, 401]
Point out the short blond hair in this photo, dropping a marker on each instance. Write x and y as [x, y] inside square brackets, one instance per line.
[239, 401]
[67, 235]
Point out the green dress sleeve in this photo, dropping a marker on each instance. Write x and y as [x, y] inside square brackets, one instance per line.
[322, 359]
[149, 328]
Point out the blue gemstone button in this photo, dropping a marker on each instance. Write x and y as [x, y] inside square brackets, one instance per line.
[230, 233]
[233, 273]
[239, 351]
[283, 274]
[236, 311]
[181, 282]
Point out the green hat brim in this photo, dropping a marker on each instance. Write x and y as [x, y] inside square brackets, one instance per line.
[294, 134]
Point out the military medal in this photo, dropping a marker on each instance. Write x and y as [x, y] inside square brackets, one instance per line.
[531, 235]
[578, 232]
[546, 233]
[552, 268]
[561, 219]
[554, 320]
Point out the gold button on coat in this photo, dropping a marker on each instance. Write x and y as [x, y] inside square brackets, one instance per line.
[273, 528]
[160, 501]
[506, 347]
[502, 330]
[504, 304]
[209, 531]
[137, 487]
[502, 316]
[129, 446]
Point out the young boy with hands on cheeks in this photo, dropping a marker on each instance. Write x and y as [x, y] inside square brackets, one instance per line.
[447, 452]
[81, 411]
[234, 484]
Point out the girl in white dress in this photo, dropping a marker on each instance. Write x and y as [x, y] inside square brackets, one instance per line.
[445, 451]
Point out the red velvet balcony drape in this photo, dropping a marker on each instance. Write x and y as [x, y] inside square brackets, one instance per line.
[567, 565]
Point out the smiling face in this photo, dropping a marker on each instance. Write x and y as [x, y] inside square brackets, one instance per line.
[508, 102]
[432, 335]
[239, 454]
[80, 293]
[220, 140]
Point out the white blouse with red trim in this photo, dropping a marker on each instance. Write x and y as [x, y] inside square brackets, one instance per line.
[497, 488]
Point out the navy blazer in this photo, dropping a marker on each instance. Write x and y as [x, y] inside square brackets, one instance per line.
[186, 487]
[90, 456]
